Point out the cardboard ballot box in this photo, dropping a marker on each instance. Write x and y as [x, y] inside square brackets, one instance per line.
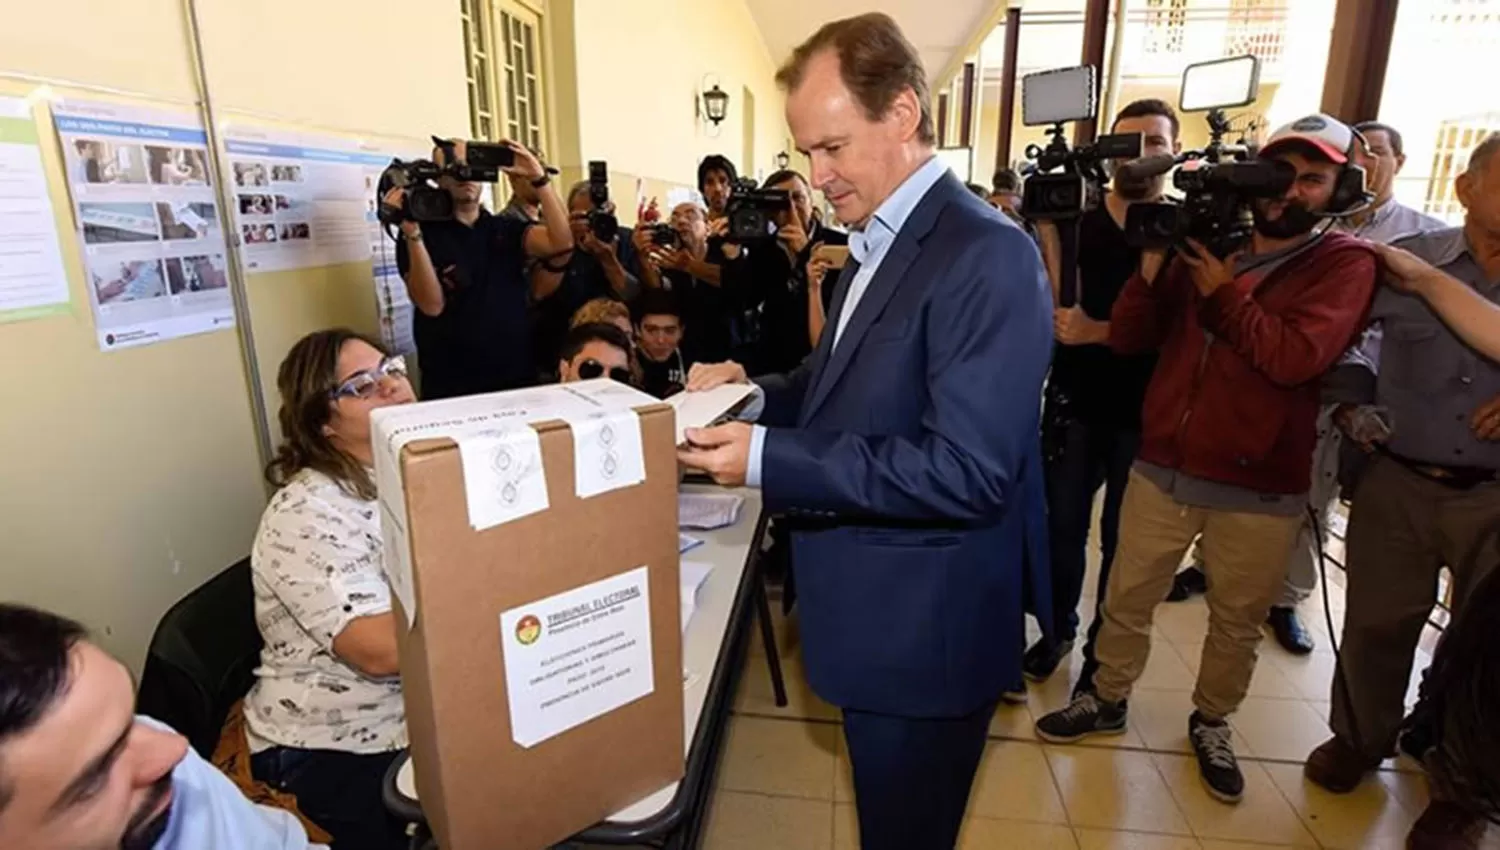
[531, 545]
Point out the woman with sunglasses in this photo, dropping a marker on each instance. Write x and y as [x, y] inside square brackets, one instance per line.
[325, 717]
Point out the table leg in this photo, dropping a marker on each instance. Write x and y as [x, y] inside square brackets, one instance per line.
[768, 637]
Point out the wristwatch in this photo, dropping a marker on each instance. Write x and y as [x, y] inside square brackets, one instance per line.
[542, 181]
[412, 237]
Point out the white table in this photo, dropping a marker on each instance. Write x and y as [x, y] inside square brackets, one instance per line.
[724, 607]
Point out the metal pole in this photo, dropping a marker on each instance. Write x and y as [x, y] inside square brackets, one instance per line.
[237, 290]
[1112, 79]
[1008, 86]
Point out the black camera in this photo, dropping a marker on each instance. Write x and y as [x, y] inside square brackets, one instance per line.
[752, 211]
[425, 200]
[602, 221]
[1064, 183]
[665, 235]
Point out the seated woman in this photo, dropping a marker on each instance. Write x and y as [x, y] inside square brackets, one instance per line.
[325, 717]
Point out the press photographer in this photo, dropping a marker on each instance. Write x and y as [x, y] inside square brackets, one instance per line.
[1228, 430]
[675, 256]
[1092, 419]
[464, 267]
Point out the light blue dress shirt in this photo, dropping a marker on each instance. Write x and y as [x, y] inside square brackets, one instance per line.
[868, 246]
[208, 811]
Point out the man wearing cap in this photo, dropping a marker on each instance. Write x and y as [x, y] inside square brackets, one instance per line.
[1228, 433]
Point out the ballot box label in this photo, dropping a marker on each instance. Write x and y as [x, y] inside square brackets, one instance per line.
[577, 655]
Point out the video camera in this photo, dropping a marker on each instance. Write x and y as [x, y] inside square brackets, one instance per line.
[752, 211]
[425, 200]
[602, 221]
[1066, 182]
[1220, 182]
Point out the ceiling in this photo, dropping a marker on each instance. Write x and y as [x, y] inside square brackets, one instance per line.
[939, 38]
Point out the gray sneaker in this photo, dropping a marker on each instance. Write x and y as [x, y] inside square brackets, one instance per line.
[1086, 715]
[1216, 762]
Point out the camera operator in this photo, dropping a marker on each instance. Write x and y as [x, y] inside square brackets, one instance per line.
[1228, 432]
[466, 277]
[594, 269]
[1092, 422]
[716, 179]
[683, 267]
[774, 279]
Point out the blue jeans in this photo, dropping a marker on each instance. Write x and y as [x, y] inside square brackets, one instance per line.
[338, 791]
[1090, 456]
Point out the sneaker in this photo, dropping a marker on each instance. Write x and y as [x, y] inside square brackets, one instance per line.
[1043, 658]
[1336, 766]
[1290, 632]
[1189, 582]
[1216, 762]
[1086, 715]
[1446, 826]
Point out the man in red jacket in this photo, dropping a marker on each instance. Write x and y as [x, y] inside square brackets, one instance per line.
[1228, 429]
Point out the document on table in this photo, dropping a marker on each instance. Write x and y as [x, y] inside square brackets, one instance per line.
[706, 511]
[686, 543]
[694, 573]
[701, 409]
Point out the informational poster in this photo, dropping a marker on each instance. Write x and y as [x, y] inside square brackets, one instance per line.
[391, 299]
[33, 281]
[143, 197]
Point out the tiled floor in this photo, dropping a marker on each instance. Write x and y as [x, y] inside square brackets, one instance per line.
[784, 783]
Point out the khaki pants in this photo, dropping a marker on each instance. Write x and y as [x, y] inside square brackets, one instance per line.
[1245, 558]
[1403, 529]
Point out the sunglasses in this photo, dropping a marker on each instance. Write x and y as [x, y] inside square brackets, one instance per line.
[367, 383]
[592, 368]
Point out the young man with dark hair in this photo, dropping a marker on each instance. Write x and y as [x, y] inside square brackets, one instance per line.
[1091, 427]
[596, 351]
[659, 328]
[80, 771]
[1227, 434]
[716, 179]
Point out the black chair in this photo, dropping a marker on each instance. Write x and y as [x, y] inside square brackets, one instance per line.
[202, 658]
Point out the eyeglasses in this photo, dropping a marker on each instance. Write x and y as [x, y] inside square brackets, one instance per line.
[365, 384]
[592, 368]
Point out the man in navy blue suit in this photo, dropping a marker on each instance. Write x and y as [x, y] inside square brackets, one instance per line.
[904, 452]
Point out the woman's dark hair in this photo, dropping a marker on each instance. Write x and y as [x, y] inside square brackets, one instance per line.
[716, 162]
[579, 337]
[307, 375]
[34, 666]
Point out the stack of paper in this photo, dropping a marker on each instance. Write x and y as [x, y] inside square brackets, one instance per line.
[708, 510]
[701, 409]
[694, 573]
[684, 543]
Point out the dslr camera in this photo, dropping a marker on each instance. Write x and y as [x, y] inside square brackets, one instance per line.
[665, 235]
[602, 221]
[752, 212]
[1220, 182]
[1066, 182]
[425, 200]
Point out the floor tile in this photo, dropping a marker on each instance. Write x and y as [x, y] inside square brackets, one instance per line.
[845, 827]
[739, 821]
[1311, 675]
[1282, 729]
[988, 834]
[843, 777]
[757, 696]
[1166, 671]
[1015, 783]
[1371, 816]
[781, 757]
[1098, 839]
[1161, 719]
[1115, 789]
[1013, 722]
[1263, 815]
[1182, 622]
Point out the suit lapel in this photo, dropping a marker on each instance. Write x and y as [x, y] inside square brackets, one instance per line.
[818, 360]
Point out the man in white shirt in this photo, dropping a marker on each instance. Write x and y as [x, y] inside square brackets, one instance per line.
[80, 771]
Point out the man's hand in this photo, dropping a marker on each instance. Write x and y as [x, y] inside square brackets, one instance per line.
[1072, 326]
[396, 199]
[720, 227]
[1359, 427]
[1486, 420]
[1209, 272]
[590, 243]
[526, 164]
[817, 267]
[706, 376]
[722, 451]
[793, 237]
[1406, 270]
[671, 258]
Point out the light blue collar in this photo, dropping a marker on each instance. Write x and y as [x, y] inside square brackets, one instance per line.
[891, 215]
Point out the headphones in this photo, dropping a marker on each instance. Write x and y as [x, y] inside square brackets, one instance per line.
[1350, 195]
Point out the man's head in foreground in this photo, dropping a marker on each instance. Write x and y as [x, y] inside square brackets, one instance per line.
[77, 770]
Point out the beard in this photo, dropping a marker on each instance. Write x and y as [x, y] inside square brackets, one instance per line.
[1295, 220]
[1138, 190]
[143, 830]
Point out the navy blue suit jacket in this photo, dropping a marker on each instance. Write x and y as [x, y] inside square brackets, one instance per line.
[908, 466]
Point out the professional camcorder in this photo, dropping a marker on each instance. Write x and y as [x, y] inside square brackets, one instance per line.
[425, 200]
[602, 221]
[1066, 182]
[1220, 182]
[752, 211]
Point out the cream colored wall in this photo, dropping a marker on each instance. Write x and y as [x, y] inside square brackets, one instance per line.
[128, 478]
[639, 67]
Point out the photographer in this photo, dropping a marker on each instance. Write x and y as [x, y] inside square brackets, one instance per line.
[466, 278]
[594, 269]
[1228, 432]
[1091, 426]
[775, 283]
[677, 258]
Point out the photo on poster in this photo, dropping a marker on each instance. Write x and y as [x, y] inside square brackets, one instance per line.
[258, 234]
[250, 174]
[256, 205]
[100, 162]
[286, 174]
[123, 281]
[295, 230]
[110, 223]
[191, 220]
[176, 166]
[196, 274]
